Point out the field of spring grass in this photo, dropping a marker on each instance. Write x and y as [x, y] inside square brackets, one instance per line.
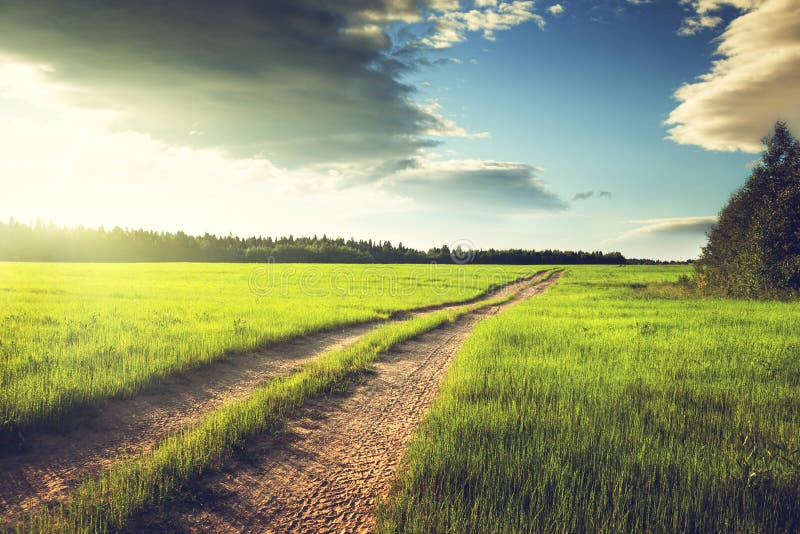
[74, 334]
[613, 403]
[148, 480]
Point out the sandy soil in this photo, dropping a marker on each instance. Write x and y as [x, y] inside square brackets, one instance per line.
[90, 440]
[337, 458]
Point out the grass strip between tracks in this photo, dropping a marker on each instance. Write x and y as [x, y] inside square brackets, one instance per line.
[127, 488]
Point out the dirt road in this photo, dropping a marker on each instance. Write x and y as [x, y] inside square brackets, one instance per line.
[326, 471]
[96, 438]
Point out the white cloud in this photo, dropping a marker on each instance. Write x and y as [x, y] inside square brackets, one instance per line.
[451, 27]
[696, 24]
[755, 81]
[556, 9]
[702, 17]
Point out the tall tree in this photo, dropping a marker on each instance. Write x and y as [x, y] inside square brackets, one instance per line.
[754, 250]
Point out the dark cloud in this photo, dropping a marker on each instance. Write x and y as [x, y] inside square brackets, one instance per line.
[477, 184]
[391, 167]
[584, 195]
[295, 81]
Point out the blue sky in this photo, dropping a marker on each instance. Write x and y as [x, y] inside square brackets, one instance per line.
[585, 99]
[611, 125]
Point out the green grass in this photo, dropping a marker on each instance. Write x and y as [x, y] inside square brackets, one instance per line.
[74, 334]
[612, 404]
[107, 503]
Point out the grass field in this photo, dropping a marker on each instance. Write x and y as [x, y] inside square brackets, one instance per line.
[613, 404]
[148, 479]
[73, 334]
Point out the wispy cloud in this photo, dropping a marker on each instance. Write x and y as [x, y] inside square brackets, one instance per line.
[668, 238]
[676, 225]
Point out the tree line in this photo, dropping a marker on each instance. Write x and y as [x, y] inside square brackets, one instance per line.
[48, 242]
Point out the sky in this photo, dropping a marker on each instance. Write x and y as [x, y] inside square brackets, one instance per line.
[615, 125]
